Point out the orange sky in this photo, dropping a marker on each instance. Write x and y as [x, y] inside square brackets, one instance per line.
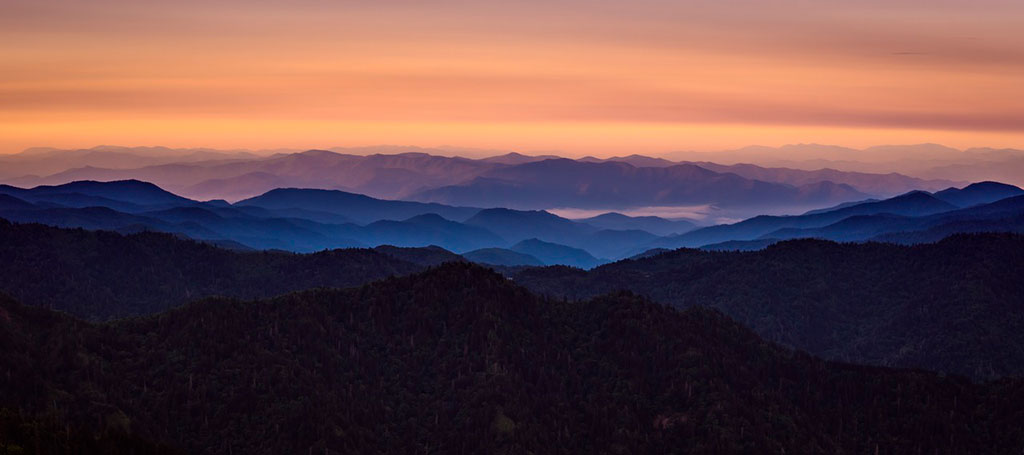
[584, 77]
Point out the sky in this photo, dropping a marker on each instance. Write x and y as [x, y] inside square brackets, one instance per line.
[591, 77]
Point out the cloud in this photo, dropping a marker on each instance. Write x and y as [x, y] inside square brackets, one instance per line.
[760, 66]
[693, 212]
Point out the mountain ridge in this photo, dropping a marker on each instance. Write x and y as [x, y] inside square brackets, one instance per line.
[942, 306]
[510, 365]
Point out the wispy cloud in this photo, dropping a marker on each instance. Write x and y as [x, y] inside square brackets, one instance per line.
[694, 212]
[701, 73]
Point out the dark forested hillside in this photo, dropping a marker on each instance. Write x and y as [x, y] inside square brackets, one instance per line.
[460, 360]
[955, 306]
[24, 433]
[101, 275]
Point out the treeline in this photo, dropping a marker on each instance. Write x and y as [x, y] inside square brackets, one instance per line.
[955, 306]
[460, 360]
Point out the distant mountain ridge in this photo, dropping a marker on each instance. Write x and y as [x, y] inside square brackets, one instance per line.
[1005, 215]
[303, 220]
[654, 225]
[978, 193]
[878, 184]
[914, 203]
[308, 220]
[353, 206]
[392, 172]
[130, 191]
[569, 183]
[925, 161]
[979, 207]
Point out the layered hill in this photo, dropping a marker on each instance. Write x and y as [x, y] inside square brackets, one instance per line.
[356, 207]
[553, 253]
[401, 172]
[501, 257]
[102, 275]
[882, 184]
[304, 220]
[570, 183]
[380, 172]
[982, 203]
[948, 306]
[309, 220]
[926, 161]
[653, 224]
[1006, 215]
[955, 306]
[460, 360]
[978, 193]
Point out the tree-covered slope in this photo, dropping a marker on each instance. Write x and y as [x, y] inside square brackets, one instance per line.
[460, 360]
[102, 275]
[955, 306]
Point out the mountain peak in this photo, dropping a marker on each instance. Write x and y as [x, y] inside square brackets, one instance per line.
[131, 190]
[978, 193]
[431, 218]
[914, 195]
[554, 253]
[318, 153]
[990, 186]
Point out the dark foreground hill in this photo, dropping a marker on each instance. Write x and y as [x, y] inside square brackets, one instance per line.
[955, 306]
[102, 275]
[460, 360]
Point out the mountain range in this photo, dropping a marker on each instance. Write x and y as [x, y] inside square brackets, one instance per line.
[980, 202]
[925, 161]
[102, 275]
[458, 359]
[570, 183]
[952, 306]
[316, 320]
[306, 220]
[949, 306]
[433, 174]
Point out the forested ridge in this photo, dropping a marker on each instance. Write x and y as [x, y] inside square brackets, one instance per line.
[955, 306]
[101, 275]
[459, 359]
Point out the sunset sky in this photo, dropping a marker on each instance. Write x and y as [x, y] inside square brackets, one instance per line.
[582, 77]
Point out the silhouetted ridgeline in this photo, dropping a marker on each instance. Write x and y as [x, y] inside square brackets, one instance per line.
[101, 275]
[996, 207]
[505, 181]
[460, 360]
[570, 183]
[955, 306]
[309, 220]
